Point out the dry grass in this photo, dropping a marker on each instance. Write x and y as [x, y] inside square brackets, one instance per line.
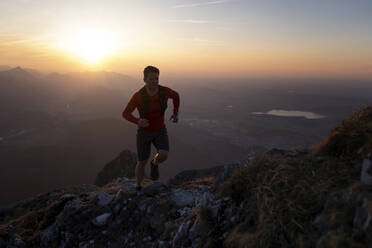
[282, 196]
[4, 232]
[351, 137]
[199, 181]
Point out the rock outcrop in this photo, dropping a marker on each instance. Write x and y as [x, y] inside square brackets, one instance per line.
[122, 166]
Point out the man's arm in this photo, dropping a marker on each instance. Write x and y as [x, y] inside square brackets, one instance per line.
[175, 98]
[176, 103]
[131, 106]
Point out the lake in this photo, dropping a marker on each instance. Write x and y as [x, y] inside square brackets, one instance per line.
[291, 113]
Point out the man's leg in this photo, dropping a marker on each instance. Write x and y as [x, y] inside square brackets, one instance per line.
[160, 157]
[143, 153]
[161, 142]
[140, 171]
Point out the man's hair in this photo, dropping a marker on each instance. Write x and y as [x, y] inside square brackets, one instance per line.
[149, 69]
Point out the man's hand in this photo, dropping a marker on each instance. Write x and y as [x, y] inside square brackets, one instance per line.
[143, 123]
[174, 118]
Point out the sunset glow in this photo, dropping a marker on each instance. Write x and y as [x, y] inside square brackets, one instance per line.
[91, 45]
[232, 38]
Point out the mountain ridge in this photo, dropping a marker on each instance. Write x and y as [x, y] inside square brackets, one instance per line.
[280, 198]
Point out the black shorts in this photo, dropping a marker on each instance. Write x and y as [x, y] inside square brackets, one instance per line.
[144, 140]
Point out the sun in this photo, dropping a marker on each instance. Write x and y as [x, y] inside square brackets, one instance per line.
[92, 45]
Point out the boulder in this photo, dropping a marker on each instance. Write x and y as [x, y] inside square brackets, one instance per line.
[101, 220]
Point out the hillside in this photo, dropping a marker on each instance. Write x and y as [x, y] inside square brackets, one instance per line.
[279, 198]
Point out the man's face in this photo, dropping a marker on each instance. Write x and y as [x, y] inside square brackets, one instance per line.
[152, 79]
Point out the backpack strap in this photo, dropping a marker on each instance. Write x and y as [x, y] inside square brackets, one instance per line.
[162, 99]
[145, 108]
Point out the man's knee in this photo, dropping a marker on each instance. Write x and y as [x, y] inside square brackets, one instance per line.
[162, 155]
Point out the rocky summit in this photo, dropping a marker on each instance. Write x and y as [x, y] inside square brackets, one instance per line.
[318, 197]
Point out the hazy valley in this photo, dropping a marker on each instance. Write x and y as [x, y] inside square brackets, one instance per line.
[61, 129]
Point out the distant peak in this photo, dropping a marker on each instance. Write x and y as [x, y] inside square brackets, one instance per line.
[18, 69]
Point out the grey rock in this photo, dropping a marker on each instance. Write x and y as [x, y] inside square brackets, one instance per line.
[68, 236]
[182, 198]
[151, 208]
[128, 186]
[121, 179]
[193, 232]
[181, 234]
[163, 244]
[227, 211]
[214, 210]
[68, 196]
[18, 241]
[197, 243]
[117, 208]
[119, 195]
[50, 234]
[104, 199]
[322, 227]
[154, 189]
[62, 244]
[148, 238]
[233, 219]
[368, 213]
[101, 220]
[142, 206]
[71, 205]
[184, 211]
[366, 174]
[84, 244]
[360, 217]
[207, 199]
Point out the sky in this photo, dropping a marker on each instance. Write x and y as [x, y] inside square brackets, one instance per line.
[197, 38]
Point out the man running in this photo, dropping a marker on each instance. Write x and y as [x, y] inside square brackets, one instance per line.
[151, 103]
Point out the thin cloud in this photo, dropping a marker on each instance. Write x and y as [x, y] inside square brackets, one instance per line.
[200, 41]
[193, 21]
[19, 39]
[193, 5]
